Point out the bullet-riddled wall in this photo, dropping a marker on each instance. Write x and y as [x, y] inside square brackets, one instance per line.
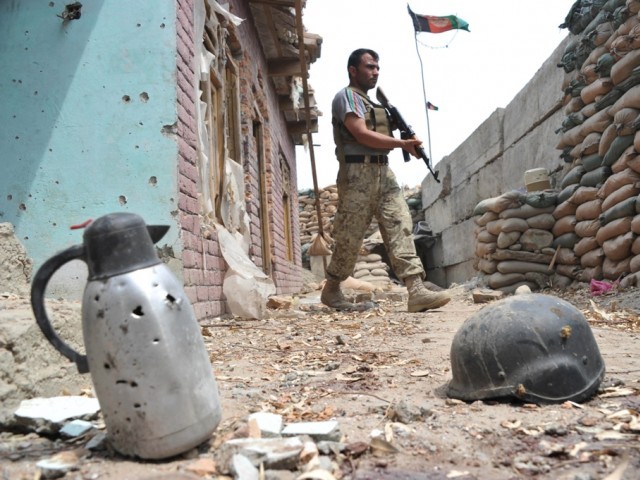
[88, 119]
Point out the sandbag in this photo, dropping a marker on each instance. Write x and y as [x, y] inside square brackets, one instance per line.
[483, 250]
[608, 136]
[543, 221]
[618, 248]
[525, 211]
[634, 264]
[630, 99]
[616, 181]
[635, 246]
[564, 225]
[589, 145]
[585, 245]
[588, 274]
[573, 176]
[613, 229]
[619, 145]
[485, 218]
[626, 208]
[587, 228]
[596, 123]
[623, 193]
[634, 163]
[506, 200]
[564, 209]
[540, 199]
[621, 70]
[574, 105]
[514, 225]
[583, 195]
[487, 266]
[612, 270]
[533, 239]
[566, 240]
[494, 227]
[635, 225]
[595, 177]
[591, 162]
[624, 120]
[498, 279]
[506, 239]
[566, 256]
[592, 258]
[589, 210]
[515, 266]
[569, 271]
[485, 236]
[621, 164]
[567, 192]
[599, 87]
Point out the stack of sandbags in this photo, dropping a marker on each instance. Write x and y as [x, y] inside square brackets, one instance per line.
[586, 206]
[308, 214]
[514, 239]
[619, 196]
[370, 268]
[600, 139]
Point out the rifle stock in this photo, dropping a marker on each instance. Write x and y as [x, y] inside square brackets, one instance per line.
[405, 131]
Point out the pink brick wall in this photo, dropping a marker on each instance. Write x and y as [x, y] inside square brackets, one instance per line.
[203, 265]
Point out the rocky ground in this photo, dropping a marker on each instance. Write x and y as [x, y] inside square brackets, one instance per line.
[381, 374]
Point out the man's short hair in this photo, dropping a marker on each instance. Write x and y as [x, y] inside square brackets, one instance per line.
[356, 56]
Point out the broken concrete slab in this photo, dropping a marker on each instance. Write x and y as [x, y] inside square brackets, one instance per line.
[328, 430]
[269, 424]
[273, 453]
[46, 415]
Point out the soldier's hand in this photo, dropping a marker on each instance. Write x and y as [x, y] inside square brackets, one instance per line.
[410, 145]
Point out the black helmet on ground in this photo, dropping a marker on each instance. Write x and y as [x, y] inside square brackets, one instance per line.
[536, 348]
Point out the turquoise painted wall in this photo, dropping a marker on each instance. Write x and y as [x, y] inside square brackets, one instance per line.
[86, 114]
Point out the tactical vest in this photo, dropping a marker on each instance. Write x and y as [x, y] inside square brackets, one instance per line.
[376, 119]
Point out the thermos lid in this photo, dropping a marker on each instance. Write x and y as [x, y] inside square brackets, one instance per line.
[119, 243]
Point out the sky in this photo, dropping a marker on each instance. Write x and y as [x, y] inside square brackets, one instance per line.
[467, 75]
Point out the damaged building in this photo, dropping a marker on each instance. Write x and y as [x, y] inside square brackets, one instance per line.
[186, 113]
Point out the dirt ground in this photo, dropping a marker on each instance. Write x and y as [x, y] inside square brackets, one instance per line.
[385, 372]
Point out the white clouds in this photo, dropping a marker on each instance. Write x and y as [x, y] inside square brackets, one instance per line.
[467, 75]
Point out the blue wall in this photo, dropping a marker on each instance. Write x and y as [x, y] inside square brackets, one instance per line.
[85, 117]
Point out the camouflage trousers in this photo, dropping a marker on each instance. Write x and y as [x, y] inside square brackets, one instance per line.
[366, 191]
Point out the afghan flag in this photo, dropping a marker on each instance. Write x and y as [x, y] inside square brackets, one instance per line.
[431, 24]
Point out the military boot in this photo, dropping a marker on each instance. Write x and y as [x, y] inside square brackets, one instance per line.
[421, 299]
[332, 296]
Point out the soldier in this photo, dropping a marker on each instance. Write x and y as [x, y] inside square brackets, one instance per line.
[367, 187]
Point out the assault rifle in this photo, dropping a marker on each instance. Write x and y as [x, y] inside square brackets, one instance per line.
[405, 131]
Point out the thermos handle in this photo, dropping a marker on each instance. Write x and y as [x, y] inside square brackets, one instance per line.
[38, 289]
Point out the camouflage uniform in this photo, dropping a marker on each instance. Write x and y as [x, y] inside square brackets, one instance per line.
[367, 190]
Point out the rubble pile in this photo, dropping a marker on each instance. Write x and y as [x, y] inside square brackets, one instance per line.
[514, 240]
[600, 140]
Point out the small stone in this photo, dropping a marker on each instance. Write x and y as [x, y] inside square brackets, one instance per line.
[486, 296]
[76, 428]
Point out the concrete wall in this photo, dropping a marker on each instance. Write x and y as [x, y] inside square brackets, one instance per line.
[490, 162]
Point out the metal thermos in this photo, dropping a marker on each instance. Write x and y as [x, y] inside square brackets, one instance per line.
[148, 362]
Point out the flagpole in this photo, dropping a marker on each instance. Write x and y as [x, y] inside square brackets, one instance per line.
[424, 95]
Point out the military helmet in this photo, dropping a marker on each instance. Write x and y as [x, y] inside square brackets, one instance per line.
[534, 347]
